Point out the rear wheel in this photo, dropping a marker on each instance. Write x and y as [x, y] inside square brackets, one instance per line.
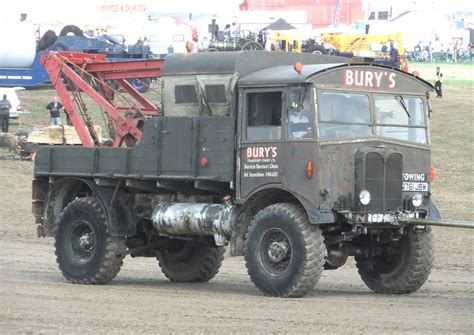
[85, 251]
[403, 267]
[190, 263]
[284, 253]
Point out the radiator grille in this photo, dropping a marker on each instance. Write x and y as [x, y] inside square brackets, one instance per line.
[393, 182]
[383, 179]
[374, 171]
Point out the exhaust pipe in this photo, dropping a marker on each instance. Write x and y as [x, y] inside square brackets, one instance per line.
[193, 219]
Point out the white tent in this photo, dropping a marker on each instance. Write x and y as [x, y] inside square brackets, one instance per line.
[416, 27]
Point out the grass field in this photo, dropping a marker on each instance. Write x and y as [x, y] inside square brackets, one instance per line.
[453, 73]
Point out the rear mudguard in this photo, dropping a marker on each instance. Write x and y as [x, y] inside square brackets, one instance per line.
[115, 202]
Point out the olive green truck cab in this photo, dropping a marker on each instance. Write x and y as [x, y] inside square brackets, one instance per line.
[295, 161]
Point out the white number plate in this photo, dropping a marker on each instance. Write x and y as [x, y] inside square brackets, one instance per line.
[414, 187]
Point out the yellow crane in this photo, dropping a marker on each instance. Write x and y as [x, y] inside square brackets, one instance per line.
[369, 45]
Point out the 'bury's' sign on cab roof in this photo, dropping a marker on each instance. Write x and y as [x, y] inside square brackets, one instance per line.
[371, 78]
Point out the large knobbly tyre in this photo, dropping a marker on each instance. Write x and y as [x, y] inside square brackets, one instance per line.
[190, 264]
[284, 253]
[433, 211]
[75, 30]
[85, 251]
[403, 267]
[47, 40]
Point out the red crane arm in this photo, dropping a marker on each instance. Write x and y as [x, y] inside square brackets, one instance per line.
[90, 73]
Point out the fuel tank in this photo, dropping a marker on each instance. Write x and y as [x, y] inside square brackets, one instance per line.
[18, 44]
[193, 219]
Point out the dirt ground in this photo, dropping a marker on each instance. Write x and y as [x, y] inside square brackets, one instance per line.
[34, 297]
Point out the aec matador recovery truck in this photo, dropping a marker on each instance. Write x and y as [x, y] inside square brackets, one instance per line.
[296, 165]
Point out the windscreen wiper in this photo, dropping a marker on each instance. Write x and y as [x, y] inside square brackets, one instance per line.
[400, 99]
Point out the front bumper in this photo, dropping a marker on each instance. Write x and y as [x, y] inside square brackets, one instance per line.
[396, 220]
[393, 219]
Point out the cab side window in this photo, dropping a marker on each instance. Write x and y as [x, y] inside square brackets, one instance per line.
[264, 115]
[299, 113]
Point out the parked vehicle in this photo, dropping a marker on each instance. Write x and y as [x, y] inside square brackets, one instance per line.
[295, 161]
[384, 49]
[30, 72]
[224, 41]
[279, 41]
[16, 110]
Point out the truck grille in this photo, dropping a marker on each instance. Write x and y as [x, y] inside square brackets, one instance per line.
[382, 176]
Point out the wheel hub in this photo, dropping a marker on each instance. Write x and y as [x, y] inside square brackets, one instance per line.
[82, 240]
[86, 242]
[277, 251]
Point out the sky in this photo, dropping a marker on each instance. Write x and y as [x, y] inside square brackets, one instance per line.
[91, 9]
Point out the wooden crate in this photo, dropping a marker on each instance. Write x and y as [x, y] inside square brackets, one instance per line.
[57, 135]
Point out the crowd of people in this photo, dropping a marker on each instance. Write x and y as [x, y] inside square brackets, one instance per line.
[453, 52]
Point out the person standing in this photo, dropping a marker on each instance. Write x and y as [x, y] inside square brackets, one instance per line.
[430, 52]
[438, 83]
[54, 108]
[455, 51]
[5, 106]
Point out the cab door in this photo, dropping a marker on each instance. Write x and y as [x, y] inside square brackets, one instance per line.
[260, 140]
[299, 146]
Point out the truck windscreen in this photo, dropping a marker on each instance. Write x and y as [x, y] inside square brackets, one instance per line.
[344, 115]
[401, 117]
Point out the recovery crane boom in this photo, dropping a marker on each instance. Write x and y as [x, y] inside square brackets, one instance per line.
[101, 80]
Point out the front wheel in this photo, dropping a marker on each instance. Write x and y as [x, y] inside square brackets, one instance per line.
[284, 253]
[85, 251]
[403, 267]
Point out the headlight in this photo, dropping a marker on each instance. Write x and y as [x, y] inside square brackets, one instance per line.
[364, 197]
[417, 199]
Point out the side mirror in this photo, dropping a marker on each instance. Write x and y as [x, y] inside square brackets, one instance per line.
[293, 101]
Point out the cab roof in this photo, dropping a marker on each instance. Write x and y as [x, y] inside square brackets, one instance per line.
[285, 74]
[259, 68]
[328, 75]
[240, 63]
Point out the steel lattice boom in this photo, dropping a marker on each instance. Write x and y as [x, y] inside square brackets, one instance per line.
[93, 75]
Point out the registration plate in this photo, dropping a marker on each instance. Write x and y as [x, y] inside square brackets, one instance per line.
[414, 187]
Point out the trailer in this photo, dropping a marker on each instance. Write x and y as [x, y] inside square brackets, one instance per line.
[37, 75]
[20, 66]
